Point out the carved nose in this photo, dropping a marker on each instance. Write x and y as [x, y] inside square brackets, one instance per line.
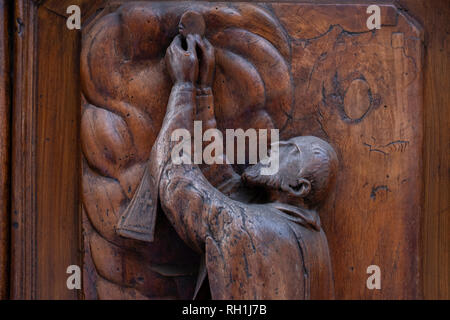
[249, 175]
[247, 178]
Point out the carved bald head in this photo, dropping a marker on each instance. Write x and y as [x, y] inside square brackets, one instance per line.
[307, 171]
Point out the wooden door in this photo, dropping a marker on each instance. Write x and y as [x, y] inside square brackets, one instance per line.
[402, 225]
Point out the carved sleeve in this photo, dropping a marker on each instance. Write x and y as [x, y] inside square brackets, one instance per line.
[221, 176]
[186, 195]
[194, 207]
[205, 108]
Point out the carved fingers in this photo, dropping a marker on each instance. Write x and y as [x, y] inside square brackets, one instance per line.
[207, 61]
[182, 64]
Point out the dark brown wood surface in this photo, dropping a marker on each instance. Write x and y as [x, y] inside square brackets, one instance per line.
[23, 163]
[57, 162]
[370, 108]
[31, 149]
[434, 16]
[359, 90]
[4, 146]
[46, 212]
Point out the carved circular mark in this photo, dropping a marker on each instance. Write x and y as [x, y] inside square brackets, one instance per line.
[191, 22]
[353, 103]
[357, 99]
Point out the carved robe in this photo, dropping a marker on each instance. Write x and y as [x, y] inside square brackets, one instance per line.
[271, 251]
[252, 251]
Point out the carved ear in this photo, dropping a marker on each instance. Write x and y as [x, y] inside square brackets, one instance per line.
[301, 188]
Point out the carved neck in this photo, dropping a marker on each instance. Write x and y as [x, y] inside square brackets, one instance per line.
[305, 217]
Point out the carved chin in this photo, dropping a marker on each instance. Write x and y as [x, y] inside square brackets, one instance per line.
[252, 176]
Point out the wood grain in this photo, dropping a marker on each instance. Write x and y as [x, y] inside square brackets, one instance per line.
[58, 211]
[434, 261]
[5, 104]
[436, 220]
[45, 210]
[23, 197]
[360, 90]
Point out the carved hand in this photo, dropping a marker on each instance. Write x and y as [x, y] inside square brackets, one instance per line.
[182, 64]
[207, 62]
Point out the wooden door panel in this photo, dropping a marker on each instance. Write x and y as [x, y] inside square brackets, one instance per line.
[46, 212]
[378, 96]
[357, 89]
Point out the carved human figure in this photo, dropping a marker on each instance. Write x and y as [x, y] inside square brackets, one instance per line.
[260, 236]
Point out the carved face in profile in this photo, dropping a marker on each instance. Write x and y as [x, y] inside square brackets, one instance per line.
[307, 170]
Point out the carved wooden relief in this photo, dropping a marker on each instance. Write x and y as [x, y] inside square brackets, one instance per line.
[347, 102]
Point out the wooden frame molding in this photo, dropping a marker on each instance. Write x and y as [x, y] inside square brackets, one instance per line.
[5, 100]
[40, 163]
[23, 221]
[45, 210]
